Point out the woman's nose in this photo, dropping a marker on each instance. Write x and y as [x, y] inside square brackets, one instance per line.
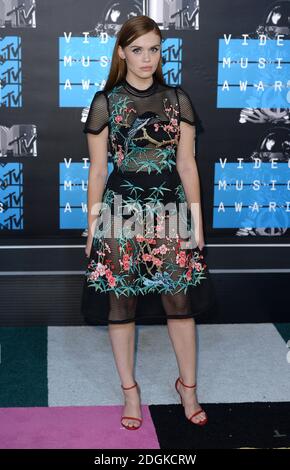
[146, 57]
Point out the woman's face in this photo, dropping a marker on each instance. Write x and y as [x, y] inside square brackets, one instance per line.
[145, 51]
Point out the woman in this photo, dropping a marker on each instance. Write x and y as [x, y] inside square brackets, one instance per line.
[150, 127]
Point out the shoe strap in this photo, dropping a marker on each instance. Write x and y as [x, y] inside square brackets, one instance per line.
[132, 417]
[129, 388]
[197, 413]
[189, 386]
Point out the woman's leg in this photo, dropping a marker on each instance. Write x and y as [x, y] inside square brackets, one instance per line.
[182, 334]
[181, 330]
[122, 337]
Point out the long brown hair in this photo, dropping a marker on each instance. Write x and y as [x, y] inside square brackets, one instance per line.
[131, 30]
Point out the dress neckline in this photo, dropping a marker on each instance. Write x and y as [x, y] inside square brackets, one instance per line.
[135, 91]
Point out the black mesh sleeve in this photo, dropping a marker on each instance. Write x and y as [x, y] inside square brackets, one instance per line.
[186, 108]
[98, 114]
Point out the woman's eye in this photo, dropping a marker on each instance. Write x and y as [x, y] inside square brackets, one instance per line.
[138, 50]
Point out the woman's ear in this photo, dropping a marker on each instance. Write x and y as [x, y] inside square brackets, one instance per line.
[121, 53]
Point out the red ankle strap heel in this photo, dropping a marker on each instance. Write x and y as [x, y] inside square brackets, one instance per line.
[200, 410]
[131, 428]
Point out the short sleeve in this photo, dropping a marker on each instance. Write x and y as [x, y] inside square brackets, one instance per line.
[98, 115]
[186, 108]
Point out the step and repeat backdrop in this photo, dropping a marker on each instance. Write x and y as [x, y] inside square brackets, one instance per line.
[232, 57]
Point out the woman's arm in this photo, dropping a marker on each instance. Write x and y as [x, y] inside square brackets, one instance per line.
[187, 169]
[98, 172]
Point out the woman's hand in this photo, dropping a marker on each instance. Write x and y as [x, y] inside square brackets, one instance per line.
[88, 246]
[197, 225]
[199, 238]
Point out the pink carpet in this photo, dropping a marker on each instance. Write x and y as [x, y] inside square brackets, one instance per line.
[73, 427]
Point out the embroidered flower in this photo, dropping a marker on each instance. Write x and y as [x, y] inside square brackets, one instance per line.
[163, 249]
[188, 275]
[181, 259]
[146, 257]
[140, 238]
[169, 128]
[101, 269]
[156, 261]
[197, 266]
[94, 276]
[120, 155]
[151, 241]
[112, 281]
[125, 262]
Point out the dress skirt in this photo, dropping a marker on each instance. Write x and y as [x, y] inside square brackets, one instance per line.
[143, 248]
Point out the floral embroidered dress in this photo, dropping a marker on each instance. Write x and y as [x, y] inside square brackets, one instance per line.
[144, 131]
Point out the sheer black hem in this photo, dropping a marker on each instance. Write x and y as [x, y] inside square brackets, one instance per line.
[192, 123]
[87, 130]
[120, 322]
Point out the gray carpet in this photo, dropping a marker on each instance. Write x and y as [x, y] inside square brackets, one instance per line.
[236, 363]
